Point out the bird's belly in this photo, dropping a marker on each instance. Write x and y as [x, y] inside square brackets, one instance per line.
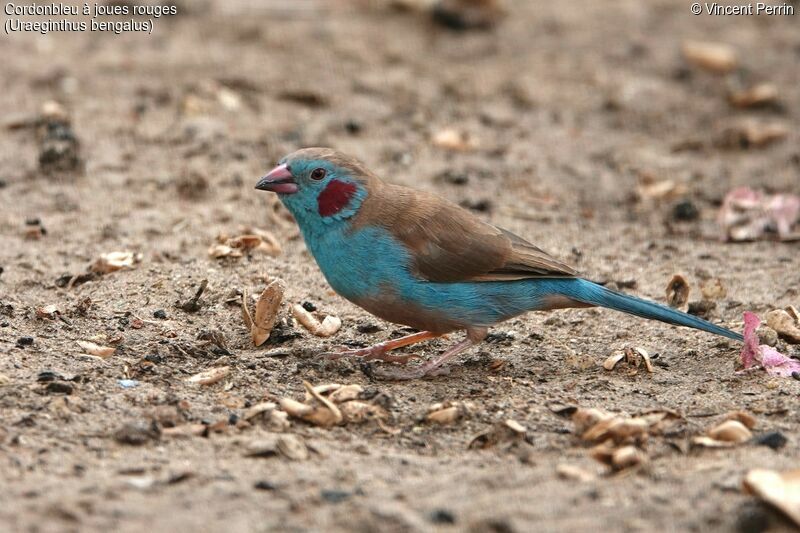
[371, 269]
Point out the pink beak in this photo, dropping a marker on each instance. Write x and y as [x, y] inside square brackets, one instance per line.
[278, 180]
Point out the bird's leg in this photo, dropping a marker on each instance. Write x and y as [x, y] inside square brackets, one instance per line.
[433, 367]
[378, 351]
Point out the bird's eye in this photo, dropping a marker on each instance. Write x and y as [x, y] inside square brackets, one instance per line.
[317, 174]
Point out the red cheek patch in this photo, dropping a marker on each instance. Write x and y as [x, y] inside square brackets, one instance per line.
[335, 197]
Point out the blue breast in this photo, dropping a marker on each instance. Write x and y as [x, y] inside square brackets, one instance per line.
[369, 262]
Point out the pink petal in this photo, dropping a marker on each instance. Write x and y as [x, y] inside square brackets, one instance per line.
[774, 362]
[750, 352]
[777, 364]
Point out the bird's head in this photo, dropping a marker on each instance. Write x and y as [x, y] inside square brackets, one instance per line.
[318, 185]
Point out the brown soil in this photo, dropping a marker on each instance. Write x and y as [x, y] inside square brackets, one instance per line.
[571, 106]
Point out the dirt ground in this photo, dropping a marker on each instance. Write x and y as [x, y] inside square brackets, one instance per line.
[571, 110]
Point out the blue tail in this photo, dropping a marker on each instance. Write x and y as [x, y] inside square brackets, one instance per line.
[587, 292]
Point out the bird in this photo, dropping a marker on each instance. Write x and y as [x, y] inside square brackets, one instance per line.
[413, 258]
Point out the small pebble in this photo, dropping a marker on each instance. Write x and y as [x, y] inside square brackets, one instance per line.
[24, 341]
[368, 327]
[137, 433]
[352, 126]
[59, 387]
[265, 485]
[334, 496]
[701, 308]
[774, 439]
[453, 177]
[47, 375]
[767, 335]
[685, 211]
[160, 314]
[482, 206]
[442, 516]
[127, 383]
[753, 518]
[310, 307]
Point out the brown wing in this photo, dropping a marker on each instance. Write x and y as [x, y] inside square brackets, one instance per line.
[449, 243]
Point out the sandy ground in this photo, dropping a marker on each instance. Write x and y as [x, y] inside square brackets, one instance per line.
[570, 106]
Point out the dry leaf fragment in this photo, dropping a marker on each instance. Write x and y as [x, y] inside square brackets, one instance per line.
[752, 134]
[324, 415]
[780, 489]
[627, 457]
[660, 190]
[730, 431]
[611, 362]
[267, 311]
[453, 139]
[356, 412]
[572, 472]
[709, 442]
[515, 426]
[326, 388]
[266, 243]
[326, 328]
[210, 376]
[677, 291]
[254, 240]
[269, 243]
[507, 431]
[648, 363]
[447, 413]
[618, 429]
[618, 458]
[785, 325]
[245, 242]
[218, 251]
[346, 393]
[185, 431]
[761, 94]
[258, 409]
[113, 261]
[713, 289]
[586, 418]
[279, 420]
[296, 409]
[745, 418]
[96, 350]
[246, 318]
[289, 446]
[229, 99]
[714, 57]
[48, 311]
[292, 447]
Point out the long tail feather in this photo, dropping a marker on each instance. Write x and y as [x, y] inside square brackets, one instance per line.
[591, 293]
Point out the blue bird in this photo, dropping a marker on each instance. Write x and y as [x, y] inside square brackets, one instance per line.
[412, 258]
